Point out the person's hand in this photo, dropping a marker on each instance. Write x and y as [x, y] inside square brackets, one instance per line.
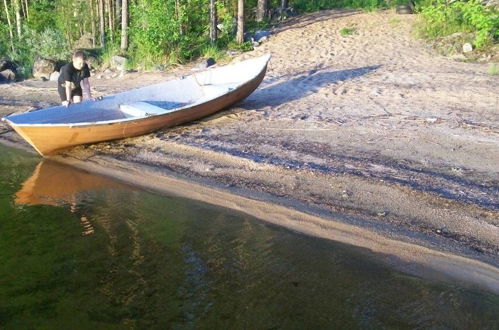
[66, 103]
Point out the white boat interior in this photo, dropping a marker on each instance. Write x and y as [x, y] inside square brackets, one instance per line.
[153, 100]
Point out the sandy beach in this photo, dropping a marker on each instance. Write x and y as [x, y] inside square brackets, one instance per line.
[370, 133]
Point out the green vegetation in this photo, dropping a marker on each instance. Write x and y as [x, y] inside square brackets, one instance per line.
[347, 31]
[163, 32]
[493, 69]
[441, 18]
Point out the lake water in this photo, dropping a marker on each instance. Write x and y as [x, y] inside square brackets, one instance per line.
[82, 251]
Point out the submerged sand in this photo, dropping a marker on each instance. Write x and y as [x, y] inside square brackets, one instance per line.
[372, 130]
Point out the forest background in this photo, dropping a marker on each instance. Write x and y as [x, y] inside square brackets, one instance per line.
[163, 32]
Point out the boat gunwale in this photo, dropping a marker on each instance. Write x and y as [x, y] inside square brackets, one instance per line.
[132, 119]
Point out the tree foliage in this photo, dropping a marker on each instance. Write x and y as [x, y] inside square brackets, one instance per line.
[163, 31]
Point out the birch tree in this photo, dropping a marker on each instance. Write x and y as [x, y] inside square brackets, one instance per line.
[102, 26]
[240, 22]
[213, 22]
[17, 10]
[124, 25]
[11, 32]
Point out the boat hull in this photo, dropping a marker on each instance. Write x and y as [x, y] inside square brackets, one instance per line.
[50, 140]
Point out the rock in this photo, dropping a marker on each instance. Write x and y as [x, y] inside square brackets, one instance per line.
[6, 64]
[54, 76]
[403, 9]
[467, 48]
[92, 62]
[119, 63]
[256, 44]
[205, 63]
[7, 76]
[43, 68]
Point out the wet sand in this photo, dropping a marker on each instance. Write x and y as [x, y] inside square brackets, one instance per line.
[368, 133]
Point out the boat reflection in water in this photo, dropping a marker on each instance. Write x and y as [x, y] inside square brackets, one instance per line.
[56, 184]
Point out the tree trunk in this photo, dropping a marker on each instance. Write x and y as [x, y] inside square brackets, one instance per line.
[102, 25]
[178, 16]
[117, 15]
[261, 11]
[213, 22]
[124, 25]
[92, 18]
[10, 25]
[27, 8]
[110, 19]
[240, 22]
[17, 9]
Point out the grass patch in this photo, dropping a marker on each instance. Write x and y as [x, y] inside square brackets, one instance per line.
[493, 69]
[394, 21]
[347, 31]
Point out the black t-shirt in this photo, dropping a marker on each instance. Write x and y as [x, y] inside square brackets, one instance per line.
[69, 73]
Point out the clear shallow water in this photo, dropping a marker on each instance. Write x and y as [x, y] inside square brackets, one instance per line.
[82, 251]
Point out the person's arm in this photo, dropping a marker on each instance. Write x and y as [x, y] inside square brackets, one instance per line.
[68, 94]
[86, 88]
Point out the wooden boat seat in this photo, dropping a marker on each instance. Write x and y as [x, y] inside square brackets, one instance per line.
[141, 109]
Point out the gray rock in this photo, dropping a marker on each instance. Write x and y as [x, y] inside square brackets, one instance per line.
[54, 76]
[119, 63]
[467, 48]
[205, 63]
[6, 64]
[7, 76]
[43, 68]
[92, 62]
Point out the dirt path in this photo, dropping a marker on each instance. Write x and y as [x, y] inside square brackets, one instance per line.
[370, 129]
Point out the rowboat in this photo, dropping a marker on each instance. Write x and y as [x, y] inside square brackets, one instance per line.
[140, 111]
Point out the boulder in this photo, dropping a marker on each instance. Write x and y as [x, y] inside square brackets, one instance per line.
[467, 48]
[7, 76]
[119, 63]
[54, 76]
[204, 64]
[43, 68]
[6, 64]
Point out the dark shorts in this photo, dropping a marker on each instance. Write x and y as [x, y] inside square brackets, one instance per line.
[75, 92]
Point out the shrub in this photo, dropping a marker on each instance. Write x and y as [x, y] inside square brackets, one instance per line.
[441, 18]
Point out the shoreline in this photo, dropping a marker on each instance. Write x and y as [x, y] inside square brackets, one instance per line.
[402, 255]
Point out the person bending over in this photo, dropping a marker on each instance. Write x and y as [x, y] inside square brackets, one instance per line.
[73, 76]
